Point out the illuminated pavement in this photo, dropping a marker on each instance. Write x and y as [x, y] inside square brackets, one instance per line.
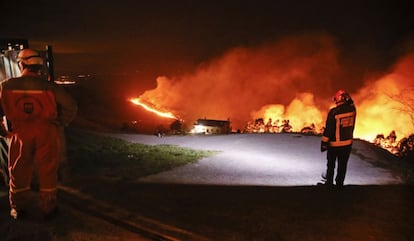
[264, 159]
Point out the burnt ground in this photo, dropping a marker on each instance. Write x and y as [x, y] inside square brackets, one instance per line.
[112, 208]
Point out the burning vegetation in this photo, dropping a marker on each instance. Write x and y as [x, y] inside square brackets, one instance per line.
[286, 86]
[401, 148]
[259, 126]
[154, 109]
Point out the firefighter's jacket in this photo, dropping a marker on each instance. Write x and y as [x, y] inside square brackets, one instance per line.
[37, 110]
[340, 124]
[32, 99]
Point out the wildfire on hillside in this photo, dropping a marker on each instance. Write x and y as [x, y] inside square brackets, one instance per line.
[288, 86]
[165, 114]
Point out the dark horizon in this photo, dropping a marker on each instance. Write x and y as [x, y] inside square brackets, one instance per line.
[133, 36]
[192, 56]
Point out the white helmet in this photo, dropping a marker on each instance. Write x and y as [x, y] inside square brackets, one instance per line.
[29, 57]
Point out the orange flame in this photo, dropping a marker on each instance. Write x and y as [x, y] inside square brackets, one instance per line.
[301, 112]
[386, 104]
[291, 79]
[137, 101]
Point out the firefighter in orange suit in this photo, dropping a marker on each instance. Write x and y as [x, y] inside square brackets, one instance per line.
[37, 109]
[337, 137]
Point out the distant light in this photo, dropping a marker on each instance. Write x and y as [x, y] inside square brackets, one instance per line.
[198, 129]
[64, 80]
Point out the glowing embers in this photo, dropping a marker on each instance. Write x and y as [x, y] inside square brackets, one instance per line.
[152, 109]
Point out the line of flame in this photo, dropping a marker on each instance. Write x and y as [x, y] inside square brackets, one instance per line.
[137, 101]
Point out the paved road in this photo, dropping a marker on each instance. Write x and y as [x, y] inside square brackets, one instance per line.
[156, 211]
[264, 159]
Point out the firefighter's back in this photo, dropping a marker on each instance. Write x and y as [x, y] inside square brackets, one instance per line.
[28, 99]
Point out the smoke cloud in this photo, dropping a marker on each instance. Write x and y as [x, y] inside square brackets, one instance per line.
[387, 103]
[243, 80]
[292, 78]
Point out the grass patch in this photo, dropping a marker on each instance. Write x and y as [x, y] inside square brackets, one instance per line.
[89, 152]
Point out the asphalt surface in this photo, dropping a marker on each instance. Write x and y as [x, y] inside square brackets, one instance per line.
[233, 195]
[264, 159]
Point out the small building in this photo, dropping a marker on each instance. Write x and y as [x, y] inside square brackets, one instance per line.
[209, 127]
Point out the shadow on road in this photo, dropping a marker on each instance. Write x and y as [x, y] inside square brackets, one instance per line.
[201, 212]
[265, 212]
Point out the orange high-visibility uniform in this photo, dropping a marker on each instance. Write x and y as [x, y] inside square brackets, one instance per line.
[36, 109]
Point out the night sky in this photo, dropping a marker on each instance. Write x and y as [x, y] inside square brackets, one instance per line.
[169, 35]
[131, 43]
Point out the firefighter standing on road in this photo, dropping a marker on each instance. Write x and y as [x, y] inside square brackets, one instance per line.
[36, 108]
[337, 137]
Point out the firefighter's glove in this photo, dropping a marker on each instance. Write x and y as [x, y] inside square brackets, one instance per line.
[324, 146]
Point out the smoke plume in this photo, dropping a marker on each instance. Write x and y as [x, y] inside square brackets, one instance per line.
[243, 80]
[293, 79]
[387, 103]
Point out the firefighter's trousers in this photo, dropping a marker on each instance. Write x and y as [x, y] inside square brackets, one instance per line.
[33, 145]
[341, 156]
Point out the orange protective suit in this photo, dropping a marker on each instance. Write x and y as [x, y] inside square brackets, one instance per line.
[36, 109]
